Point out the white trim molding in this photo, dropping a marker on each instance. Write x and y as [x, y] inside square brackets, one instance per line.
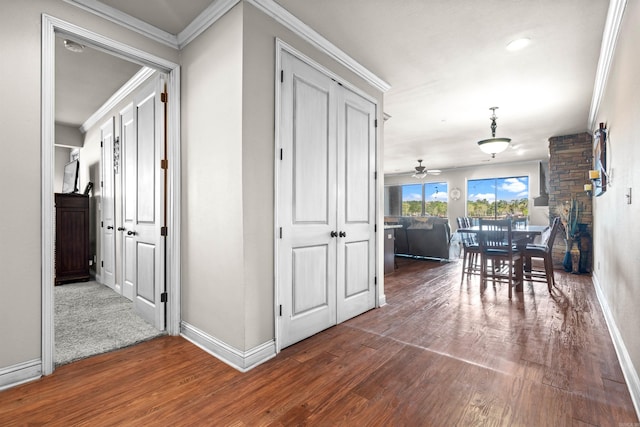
[626, 364]
[243, 361]
[607, 49]
[203, 21]
[284, 17]
[214, 12]
[20, 373]
[134, 24]
[126, 89]
[382, 300]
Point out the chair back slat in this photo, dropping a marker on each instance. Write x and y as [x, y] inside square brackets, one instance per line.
[495, 235]
[554, 230]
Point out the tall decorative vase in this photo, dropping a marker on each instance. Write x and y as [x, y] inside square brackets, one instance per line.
[585, 248]
[575, 259]
[567, 262]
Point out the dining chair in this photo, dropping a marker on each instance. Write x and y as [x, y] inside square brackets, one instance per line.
[542, 251]
[498, 246]
[470, 249]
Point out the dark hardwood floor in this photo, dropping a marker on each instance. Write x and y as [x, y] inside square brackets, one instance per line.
[440, 353]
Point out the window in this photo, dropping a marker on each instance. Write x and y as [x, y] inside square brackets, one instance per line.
[436, 198]
[429, 199]
[412, 200]
[498, 197]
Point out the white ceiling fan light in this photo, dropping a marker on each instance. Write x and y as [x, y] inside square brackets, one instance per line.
[421, 171]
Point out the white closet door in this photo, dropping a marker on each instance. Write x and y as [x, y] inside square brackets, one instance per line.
[356, 292]
[128, 161]
[306, 202]
[107, 220]
[143, 216]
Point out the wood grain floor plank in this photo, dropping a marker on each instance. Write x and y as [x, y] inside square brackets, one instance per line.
[439, 353]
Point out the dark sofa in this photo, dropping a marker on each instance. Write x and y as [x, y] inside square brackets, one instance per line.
[422, 236]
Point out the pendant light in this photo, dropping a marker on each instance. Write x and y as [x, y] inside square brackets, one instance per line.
[494, 145]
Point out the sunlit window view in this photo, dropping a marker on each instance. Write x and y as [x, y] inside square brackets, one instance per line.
[436, 199]
[412, 200]
[429, 199]
[498, 197]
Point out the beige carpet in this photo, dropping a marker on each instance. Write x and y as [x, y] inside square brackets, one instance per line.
[91, 318]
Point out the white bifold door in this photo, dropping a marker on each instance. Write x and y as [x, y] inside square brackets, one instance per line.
[142, 129]
[325, 203]
[107, 212]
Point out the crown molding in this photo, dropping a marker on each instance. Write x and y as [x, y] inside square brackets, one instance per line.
[214, 12]
[203, 21]
[134, 24]
[135, 81]
[284, 17]
[607, 50]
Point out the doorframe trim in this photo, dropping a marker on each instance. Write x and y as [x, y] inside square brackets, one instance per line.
[51, 26]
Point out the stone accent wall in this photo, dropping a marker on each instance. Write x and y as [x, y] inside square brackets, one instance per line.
[570, 158]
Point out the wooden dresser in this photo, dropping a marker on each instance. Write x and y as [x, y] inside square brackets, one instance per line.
[72, 238]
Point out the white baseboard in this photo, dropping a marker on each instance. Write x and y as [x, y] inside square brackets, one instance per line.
[20, 373]
[240, 360]
[382, 300]
[628, 370]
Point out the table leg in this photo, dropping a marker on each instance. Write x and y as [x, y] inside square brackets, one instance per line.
[519, 275]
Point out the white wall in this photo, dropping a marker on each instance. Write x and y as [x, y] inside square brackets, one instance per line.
[615, 231]
[20, 167]
[539, 215]
[212, 201]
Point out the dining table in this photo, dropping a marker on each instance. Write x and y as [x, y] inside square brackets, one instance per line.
[530, 231]
[522, 235]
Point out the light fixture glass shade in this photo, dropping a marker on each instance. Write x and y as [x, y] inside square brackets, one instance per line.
[420, 172]
[73, 46]
[494, 145]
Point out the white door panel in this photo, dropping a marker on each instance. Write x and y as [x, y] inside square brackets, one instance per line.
[107, 220]
[310, 147]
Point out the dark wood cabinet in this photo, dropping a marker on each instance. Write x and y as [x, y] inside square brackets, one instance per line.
[72, 238]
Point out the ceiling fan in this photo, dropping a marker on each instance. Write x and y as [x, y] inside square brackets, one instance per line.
[422, 171]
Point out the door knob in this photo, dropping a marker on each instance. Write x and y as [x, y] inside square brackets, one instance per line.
[109, 227]
[121, 228]
[334, 234]
[342, 234]
[131, 233]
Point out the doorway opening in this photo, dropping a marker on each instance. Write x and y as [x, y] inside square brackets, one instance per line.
[52, 27]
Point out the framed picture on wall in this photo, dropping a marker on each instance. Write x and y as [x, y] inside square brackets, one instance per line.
[600, 159]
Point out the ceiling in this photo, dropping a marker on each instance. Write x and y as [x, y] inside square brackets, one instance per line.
[446, 62]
